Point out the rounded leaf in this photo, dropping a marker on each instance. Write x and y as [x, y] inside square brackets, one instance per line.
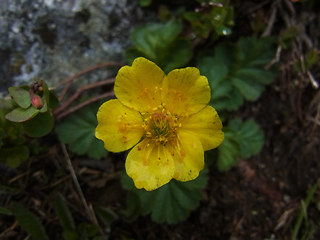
[22, 114]
[40, 125]
[20, 95]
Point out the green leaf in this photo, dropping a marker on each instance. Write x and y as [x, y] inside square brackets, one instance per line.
[106, 215]
[161, 44]
[287, 37]
[78, 130]
[133, 209]
[64, 214]
[217, 69]
[40, 125]
[88, 230]
[45, 97]
[248, 135]
[29, 222]
[70, 235]
[14, 156]
[214, 22]
[172, 202]
[303, 214]
[228, 152]
[250, 91]
[44, 107]
[243, 139]
[22, 114]
[20, 95]
[13, 132]
[6, 105]
[237, 72]
[311, 58]
[53, 100]
[5, 211]
[145, 3]
[178, 56]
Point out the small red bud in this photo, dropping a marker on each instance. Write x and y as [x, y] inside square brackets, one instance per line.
[36, 101]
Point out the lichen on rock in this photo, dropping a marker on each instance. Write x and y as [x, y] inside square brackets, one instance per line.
[53, 39]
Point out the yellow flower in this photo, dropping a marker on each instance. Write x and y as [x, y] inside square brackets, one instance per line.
[165, 118]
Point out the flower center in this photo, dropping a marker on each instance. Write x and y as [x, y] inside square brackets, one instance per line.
[160, 125]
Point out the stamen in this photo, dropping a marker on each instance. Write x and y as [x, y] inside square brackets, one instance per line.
[160, 125]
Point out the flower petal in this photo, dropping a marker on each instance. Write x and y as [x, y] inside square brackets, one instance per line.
[185, 91]
[150, 165]
[206, 126]
[119, 127]
[138, 86]
[188, 157]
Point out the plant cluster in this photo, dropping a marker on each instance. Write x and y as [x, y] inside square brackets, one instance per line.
[27, 112]
[236, 73]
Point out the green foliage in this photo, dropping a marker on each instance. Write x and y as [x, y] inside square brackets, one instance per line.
[5, 211]
[242, 139]
[20, 95]
[65, 217]
[213, 21]
[33, 108]
[78, 131]
[66, 220]
[106, 215]
[13, 156]
[161, 44]
[27, 112]
[287, 37]
[171, 203]
[45, 120]
[53, 100]
[228, 152]
[22, 114]
[12, 148]
[236, 72]
[311, 58]
[145, 3]
[83, 231]
[29, 222]
[302, 218]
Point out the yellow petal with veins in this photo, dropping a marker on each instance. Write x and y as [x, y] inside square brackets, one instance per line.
[138, 86]
[150, 165]
[188, 157]
[206, 126]
[119, 127]
[185, 91]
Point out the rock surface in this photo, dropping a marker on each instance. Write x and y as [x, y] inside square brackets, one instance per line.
[54, 39]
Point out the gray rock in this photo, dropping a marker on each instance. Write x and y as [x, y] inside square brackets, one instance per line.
[54, 39]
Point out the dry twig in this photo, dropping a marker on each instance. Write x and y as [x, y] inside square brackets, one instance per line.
[5, 232]
[271, 21]
[83, 104]
[80, 91]
[69, 80]
[89, 211]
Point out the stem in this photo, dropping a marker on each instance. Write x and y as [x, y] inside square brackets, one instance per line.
[69, 80]
[80, 91]
[89, 211]
[83, 104]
